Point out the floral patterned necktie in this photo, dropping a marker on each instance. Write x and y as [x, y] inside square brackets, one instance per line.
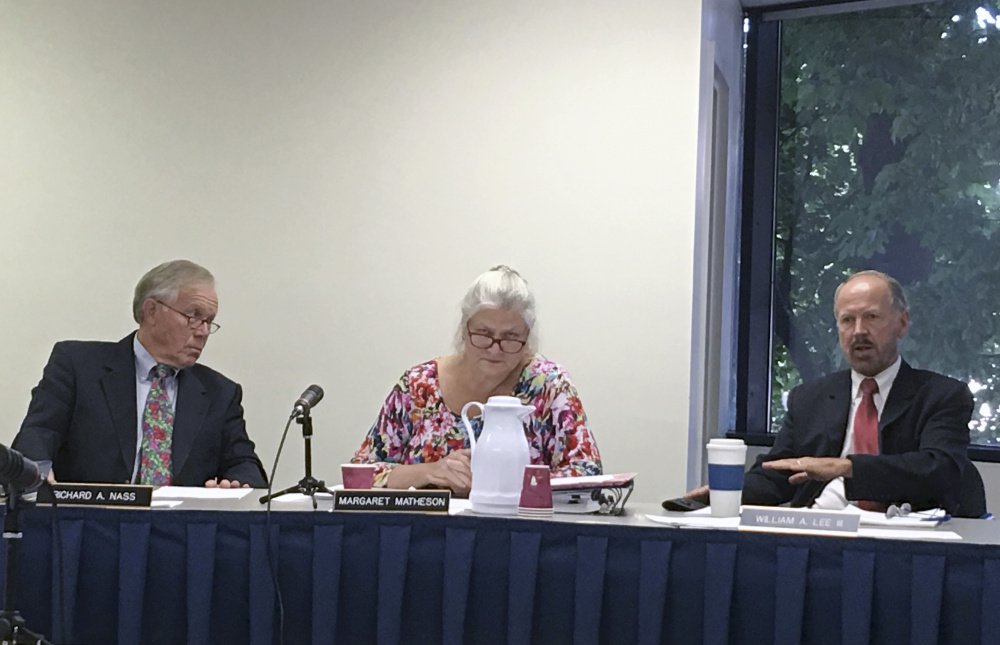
[157, 430]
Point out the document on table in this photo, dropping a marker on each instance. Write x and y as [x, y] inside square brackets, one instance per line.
[700, 519]
[592, 481]
[907, 534]
[165, 503]
[299, 497]
[915, 520]
[198, 492]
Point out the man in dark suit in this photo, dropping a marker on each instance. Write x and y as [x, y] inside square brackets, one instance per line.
[919, 422]
[141, 410]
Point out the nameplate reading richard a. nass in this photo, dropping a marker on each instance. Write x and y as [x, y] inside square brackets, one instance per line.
[383, 499]
[96, 495]
[803, 520]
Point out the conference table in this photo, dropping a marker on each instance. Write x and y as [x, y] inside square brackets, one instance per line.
[199, 573]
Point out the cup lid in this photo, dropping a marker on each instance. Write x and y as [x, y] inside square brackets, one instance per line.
[721, 441]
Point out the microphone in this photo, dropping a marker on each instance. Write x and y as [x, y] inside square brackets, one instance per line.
[17, 471]
[308, 400]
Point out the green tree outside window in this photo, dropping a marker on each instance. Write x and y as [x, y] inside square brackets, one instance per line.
[889, 159]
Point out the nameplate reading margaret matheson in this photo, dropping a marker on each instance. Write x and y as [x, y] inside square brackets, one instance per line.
[382, 499]
[798, 520]
[96, 495]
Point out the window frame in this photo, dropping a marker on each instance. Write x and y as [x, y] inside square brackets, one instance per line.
[762, 82]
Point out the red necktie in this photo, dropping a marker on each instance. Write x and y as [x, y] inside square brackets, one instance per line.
[866, 431]
[866, 420]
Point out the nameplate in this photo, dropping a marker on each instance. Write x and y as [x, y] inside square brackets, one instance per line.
[800, 520]
[96, 495]
[382, 499]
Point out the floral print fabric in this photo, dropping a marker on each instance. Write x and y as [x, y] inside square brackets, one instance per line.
[157, 430]
[415, 426]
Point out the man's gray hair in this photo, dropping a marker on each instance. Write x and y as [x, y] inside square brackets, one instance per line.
[504, 288]
[895, 289]
[164, 282]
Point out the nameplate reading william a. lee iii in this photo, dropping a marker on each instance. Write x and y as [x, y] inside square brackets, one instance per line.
[96, 495]
[383, 499]
[801, 520]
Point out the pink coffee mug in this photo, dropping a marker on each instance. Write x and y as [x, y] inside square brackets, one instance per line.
[357, 476]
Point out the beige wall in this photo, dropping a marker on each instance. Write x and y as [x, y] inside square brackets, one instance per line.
[346, 169]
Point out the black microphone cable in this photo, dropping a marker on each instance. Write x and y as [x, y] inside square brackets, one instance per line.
[271, 565]
[312, 395]
[59, 565]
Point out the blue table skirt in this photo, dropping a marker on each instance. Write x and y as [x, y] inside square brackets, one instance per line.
[203, 577]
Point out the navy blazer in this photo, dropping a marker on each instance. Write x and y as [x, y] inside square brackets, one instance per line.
[83, 418]
[923, 441]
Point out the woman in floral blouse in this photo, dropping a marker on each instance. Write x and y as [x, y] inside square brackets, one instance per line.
[418, 438]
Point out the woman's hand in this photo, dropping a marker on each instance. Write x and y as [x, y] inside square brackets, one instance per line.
[453, 472]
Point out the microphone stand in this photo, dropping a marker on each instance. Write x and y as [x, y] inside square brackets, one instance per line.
[13, 628]
[308, 485]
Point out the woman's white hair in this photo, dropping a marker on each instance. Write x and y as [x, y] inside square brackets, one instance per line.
[503, 288]
[164, 282]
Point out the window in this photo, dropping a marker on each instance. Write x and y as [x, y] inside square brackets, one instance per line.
[872, 141]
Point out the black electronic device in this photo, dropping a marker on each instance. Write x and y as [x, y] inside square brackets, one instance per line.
[682, 504]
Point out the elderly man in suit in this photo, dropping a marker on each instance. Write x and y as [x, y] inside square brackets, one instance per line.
[142, 410]
[880, 433]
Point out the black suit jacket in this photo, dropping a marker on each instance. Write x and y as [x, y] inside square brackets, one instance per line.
[83, 418]
[923, 441]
